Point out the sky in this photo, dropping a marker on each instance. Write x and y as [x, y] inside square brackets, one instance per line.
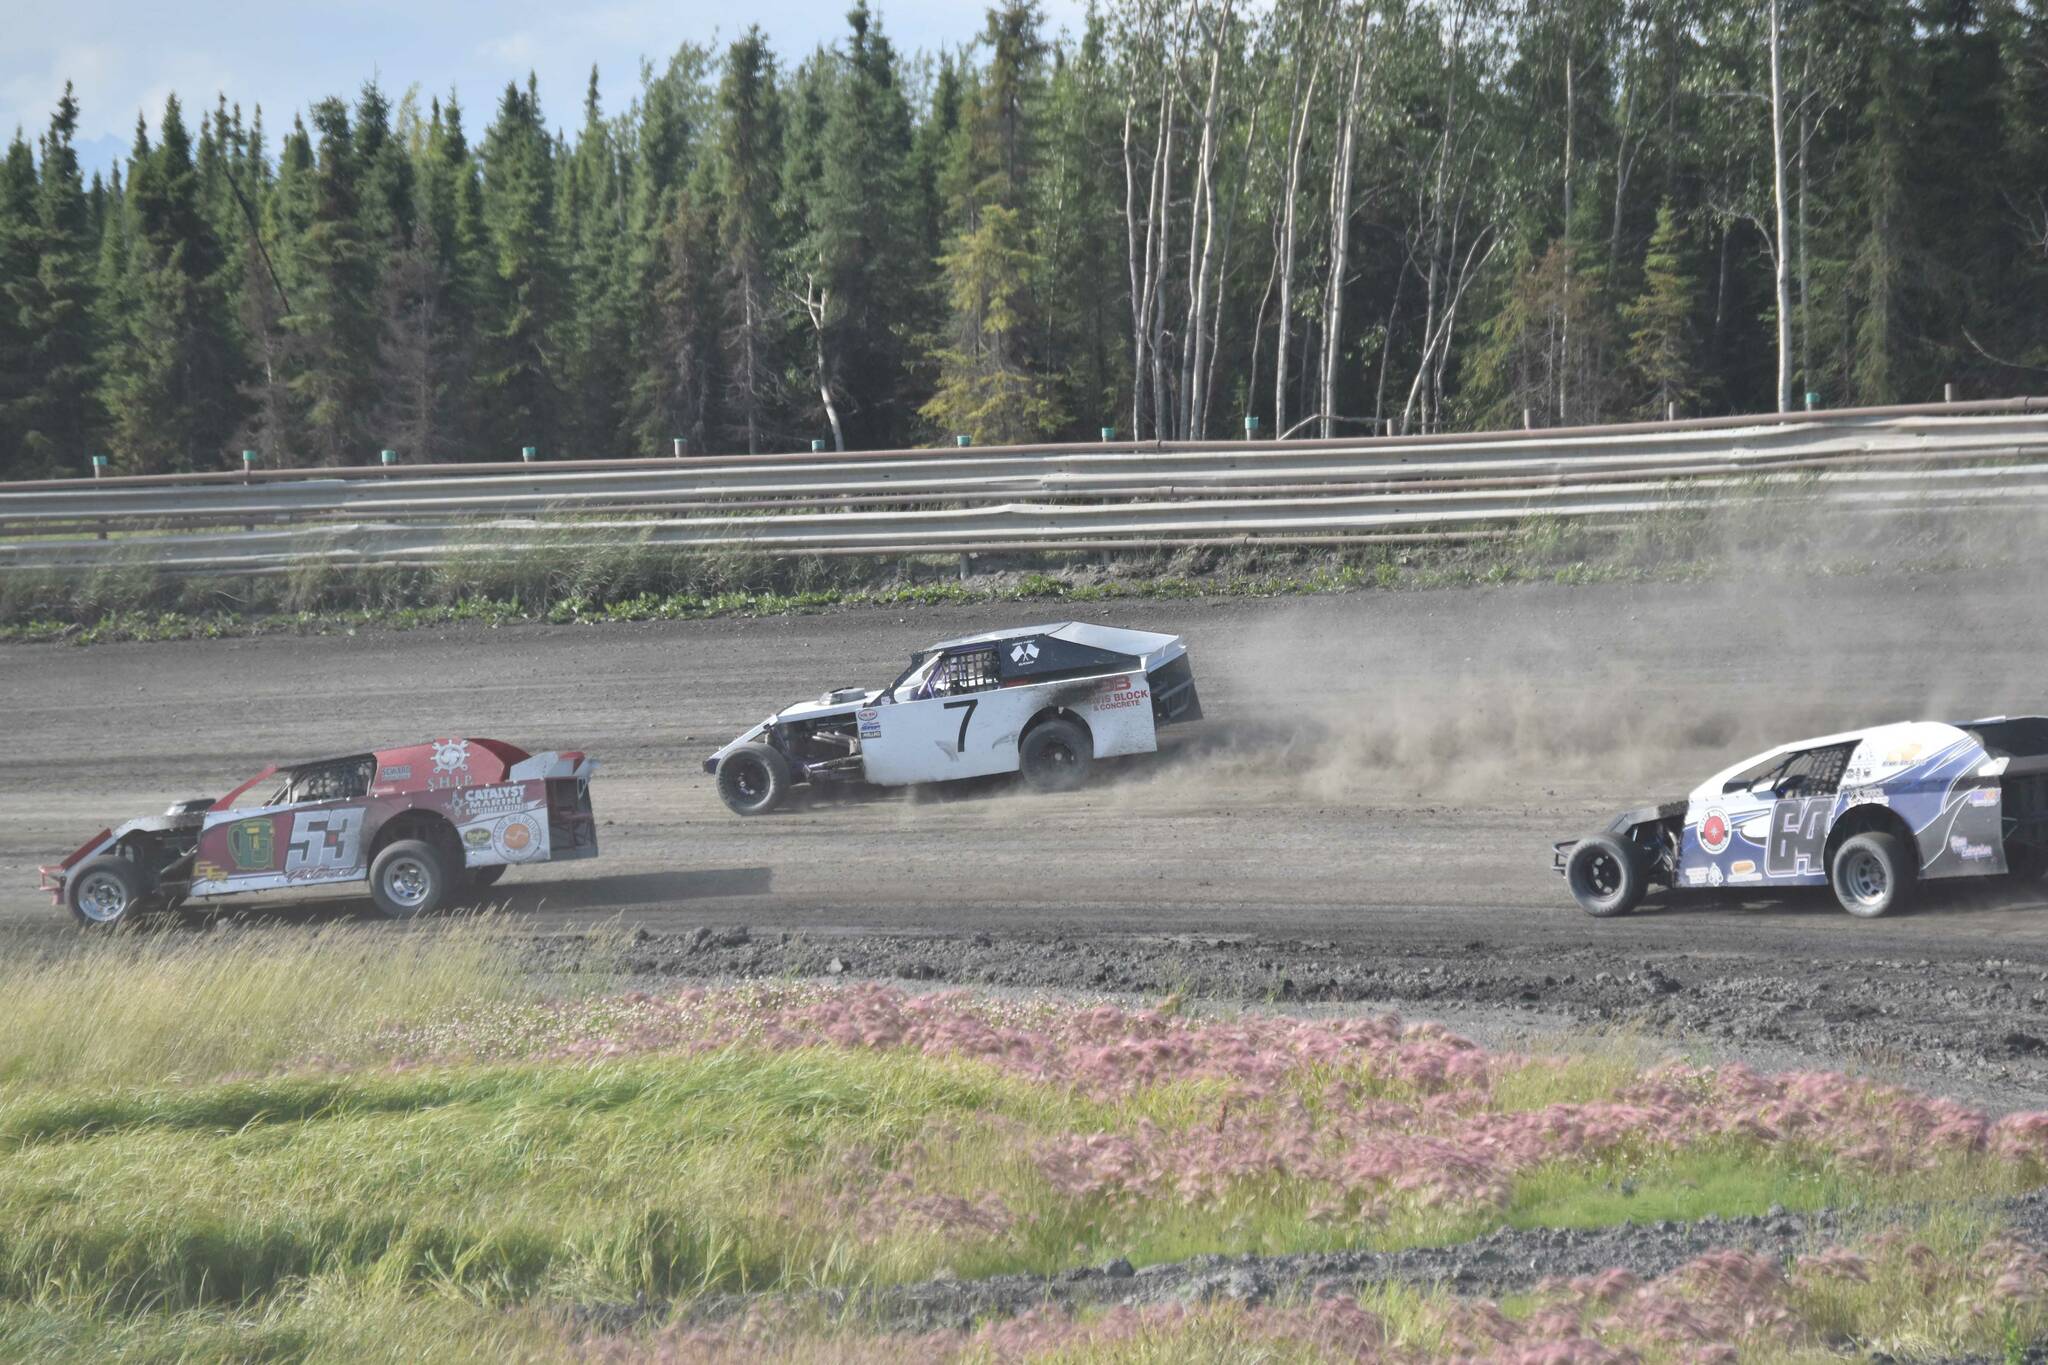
[125, 55]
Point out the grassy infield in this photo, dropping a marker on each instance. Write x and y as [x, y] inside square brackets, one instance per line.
[345, 1146]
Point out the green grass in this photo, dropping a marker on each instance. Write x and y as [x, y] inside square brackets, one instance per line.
[215, 1147]
[179, 1005]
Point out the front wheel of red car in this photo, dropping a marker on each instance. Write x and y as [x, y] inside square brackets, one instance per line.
[106, 892]
[408, 878]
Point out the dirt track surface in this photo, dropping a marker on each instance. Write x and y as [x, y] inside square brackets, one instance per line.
[1366, 814]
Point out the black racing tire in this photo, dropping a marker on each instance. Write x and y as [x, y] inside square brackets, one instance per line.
[409, 878]
[1055, 756]
[109, 890]
[1606, 875]
[482, 878]
[754, 779]
[1873, 874]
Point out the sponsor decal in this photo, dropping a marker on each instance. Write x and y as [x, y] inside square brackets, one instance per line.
[1714, 832]
[324, 843]
[1696, 876]
[516, 838]
[397, 772]
[477, 836]
[209, 872]
[1713, 874]
[1984, 796]
[1024, 652]
[870, 723]
[1114, 694]
[1967, 851]
[253, 845]
[475, 803]
[451, 764]
[1741, 867]
[1866, 796]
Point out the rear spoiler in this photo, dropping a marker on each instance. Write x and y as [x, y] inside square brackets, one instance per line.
[553, 765]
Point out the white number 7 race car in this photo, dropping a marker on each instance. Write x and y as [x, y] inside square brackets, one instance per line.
[1044, 701]
[1870, 813]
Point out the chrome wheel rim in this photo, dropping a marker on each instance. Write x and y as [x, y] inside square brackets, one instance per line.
[1863, 874]
[407, 882]
[102, 898]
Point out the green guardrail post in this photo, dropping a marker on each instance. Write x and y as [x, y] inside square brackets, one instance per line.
[1812, 400]
[963, 440]
[387, 458]
[679, 446]
[1109, 433]
[1251, 427]
[529, 454]
[817, 443]
[99, 465]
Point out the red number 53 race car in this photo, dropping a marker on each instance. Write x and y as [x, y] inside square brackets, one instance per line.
[422, 825]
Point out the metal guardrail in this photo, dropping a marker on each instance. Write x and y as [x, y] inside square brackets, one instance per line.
[1045, 498]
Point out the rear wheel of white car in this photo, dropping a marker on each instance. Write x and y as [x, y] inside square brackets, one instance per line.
[1055, 756]
[1605, 873]
[1872, 874]
[106, 892]
[754, 778]
[408, 878]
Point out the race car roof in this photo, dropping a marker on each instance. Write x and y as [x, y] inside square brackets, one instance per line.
[1133, 642]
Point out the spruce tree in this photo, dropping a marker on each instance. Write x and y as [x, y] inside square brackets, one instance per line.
[1662, 348]
[58, 414]
[855, 266]
[676, 392]
[986, 390]
[172, 385]
[749, 240]
[18, 242]
[518, 385]
[333, 314]
[593, 214]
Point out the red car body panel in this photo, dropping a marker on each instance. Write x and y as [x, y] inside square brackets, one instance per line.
[322, 824]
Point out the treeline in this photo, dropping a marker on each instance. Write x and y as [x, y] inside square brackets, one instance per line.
[1332, 215]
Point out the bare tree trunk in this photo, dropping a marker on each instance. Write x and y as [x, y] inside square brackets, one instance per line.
[1290, 192]
[1781, 262]
[1340, 232]
[817, 303]
[1202, 210]
[1805, 278]
[1144, 281]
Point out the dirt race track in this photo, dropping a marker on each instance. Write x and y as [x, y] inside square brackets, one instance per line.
[1366, 813]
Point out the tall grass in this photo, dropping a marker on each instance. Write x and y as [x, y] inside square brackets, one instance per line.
[177, 1006]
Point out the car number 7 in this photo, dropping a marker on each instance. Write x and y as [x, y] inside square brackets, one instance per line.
[967, 715]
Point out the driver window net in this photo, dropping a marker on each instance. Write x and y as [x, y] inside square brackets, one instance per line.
[974, 671]
[1817, 772]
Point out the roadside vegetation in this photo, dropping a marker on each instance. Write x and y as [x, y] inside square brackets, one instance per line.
[568, 581]
[340, 1144]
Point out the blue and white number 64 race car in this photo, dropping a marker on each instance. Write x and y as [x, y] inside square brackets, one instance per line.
[1044, 701]
[1871, 813]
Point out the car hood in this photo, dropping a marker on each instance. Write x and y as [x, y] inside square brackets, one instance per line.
[833, 703]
